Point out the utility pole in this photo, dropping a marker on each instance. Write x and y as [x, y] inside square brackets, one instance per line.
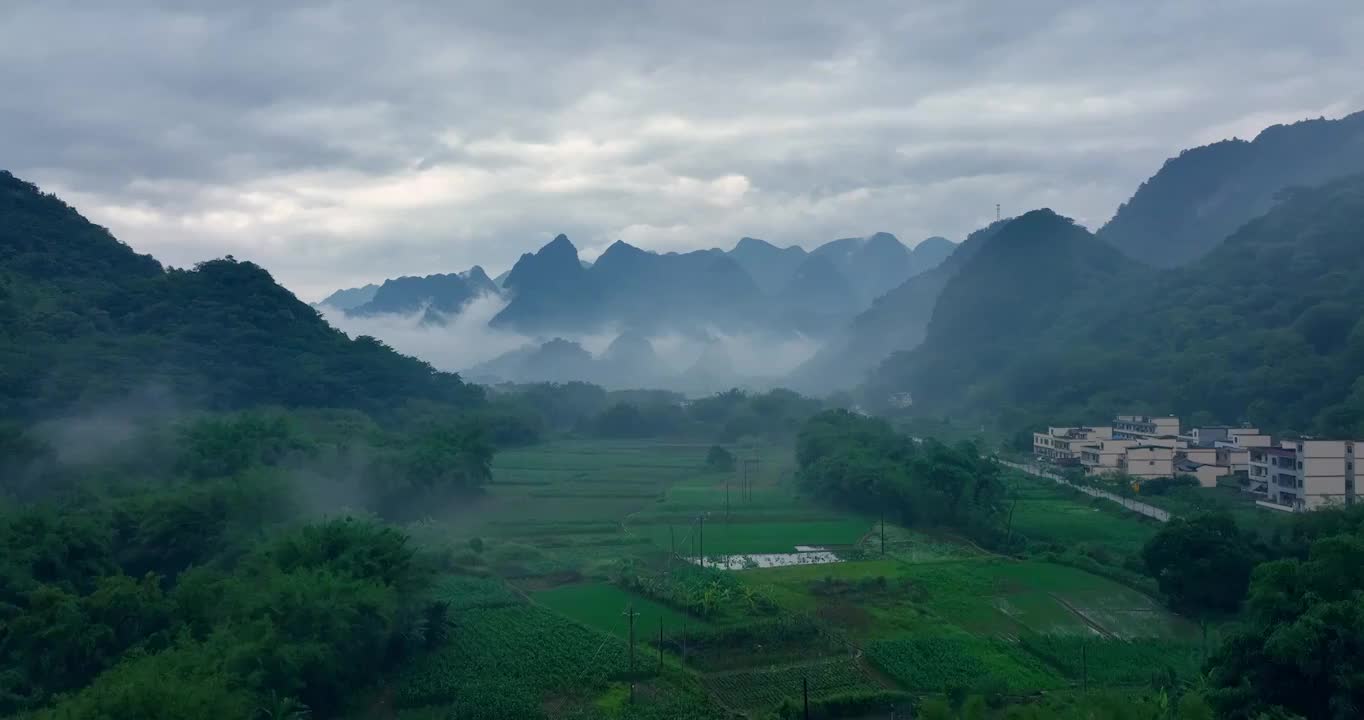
[805, 693]
[726, 498]
[743, 484]
[630, 613]
[883, 531]
[660, 644]
[684, 642]
[701, 540]
[1084, 666]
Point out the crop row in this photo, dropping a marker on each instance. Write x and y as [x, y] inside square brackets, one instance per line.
[467, 592]
[756, 689]
[522, 649]
[1115, 662]
[935, 664]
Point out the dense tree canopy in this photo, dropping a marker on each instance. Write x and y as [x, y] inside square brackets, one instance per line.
[863, 463]
[1201, 564]
[89, 322]
[184, 559]
[1302, 647]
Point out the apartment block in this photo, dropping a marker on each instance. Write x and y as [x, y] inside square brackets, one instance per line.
[1234, 458]
[1305, 474]
[1061, 445]
[1105, 456]
[1144, 427]
[1146, 462]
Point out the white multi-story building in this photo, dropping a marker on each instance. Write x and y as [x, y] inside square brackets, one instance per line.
[1147, 462]
[1144, 427]
[1305, 474]
[1061, 445]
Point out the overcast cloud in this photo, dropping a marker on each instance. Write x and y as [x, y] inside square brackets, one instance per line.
[344, 142]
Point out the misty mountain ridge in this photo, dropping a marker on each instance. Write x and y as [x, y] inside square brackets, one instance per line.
[1203, 194]
[350, 297]
[770, 267]
[754, 287]
[441, 293]
[898, 320]
[1004, 296]
[1264, 329]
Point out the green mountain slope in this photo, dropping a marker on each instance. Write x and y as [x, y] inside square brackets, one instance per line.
[1266, 328]
[1204, 194]
[895, 321]
[84, 320]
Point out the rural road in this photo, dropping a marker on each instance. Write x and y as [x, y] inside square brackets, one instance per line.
[1136, 506]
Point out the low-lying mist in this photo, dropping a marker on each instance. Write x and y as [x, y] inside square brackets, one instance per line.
[695, 362]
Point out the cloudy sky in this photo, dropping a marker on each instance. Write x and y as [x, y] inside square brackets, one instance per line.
[344, 142]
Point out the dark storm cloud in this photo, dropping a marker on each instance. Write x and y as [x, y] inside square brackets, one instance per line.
[341, 142]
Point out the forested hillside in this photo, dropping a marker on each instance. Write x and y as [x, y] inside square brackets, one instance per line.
[1265, 329]
[88, 321]
[1204, 194]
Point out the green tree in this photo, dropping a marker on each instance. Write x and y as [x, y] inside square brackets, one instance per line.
[1302, 651]
[1201, 564]
[719, 459]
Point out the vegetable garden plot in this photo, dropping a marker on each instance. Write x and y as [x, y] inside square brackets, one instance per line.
[760, 689]
[466, 592]
[932, 664]
[1116, 662]
[528, 651]
[603, 606]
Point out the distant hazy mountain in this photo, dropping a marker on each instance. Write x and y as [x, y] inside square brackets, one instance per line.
[770, 267]
[895, 321]
[630, 362]
[350, 297]
[713, 371]
[629, 288]
[929, 253]
[439, 293]
[557, 360]
[1201, 196]
[872, 264]
[550, 291]
[675, 291]
[819, 298]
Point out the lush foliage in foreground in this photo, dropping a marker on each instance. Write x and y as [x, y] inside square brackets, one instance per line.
[179, 555]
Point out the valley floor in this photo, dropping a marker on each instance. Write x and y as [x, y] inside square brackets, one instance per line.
[576, 539]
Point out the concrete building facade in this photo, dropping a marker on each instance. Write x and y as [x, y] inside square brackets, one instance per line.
[1143, 427]
[1146, 462]
[1306, 474]
[1061, 445]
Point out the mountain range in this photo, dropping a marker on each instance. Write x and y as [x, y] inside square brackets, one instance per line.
[756, 286]
[1256, 320]
[1047, 323]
